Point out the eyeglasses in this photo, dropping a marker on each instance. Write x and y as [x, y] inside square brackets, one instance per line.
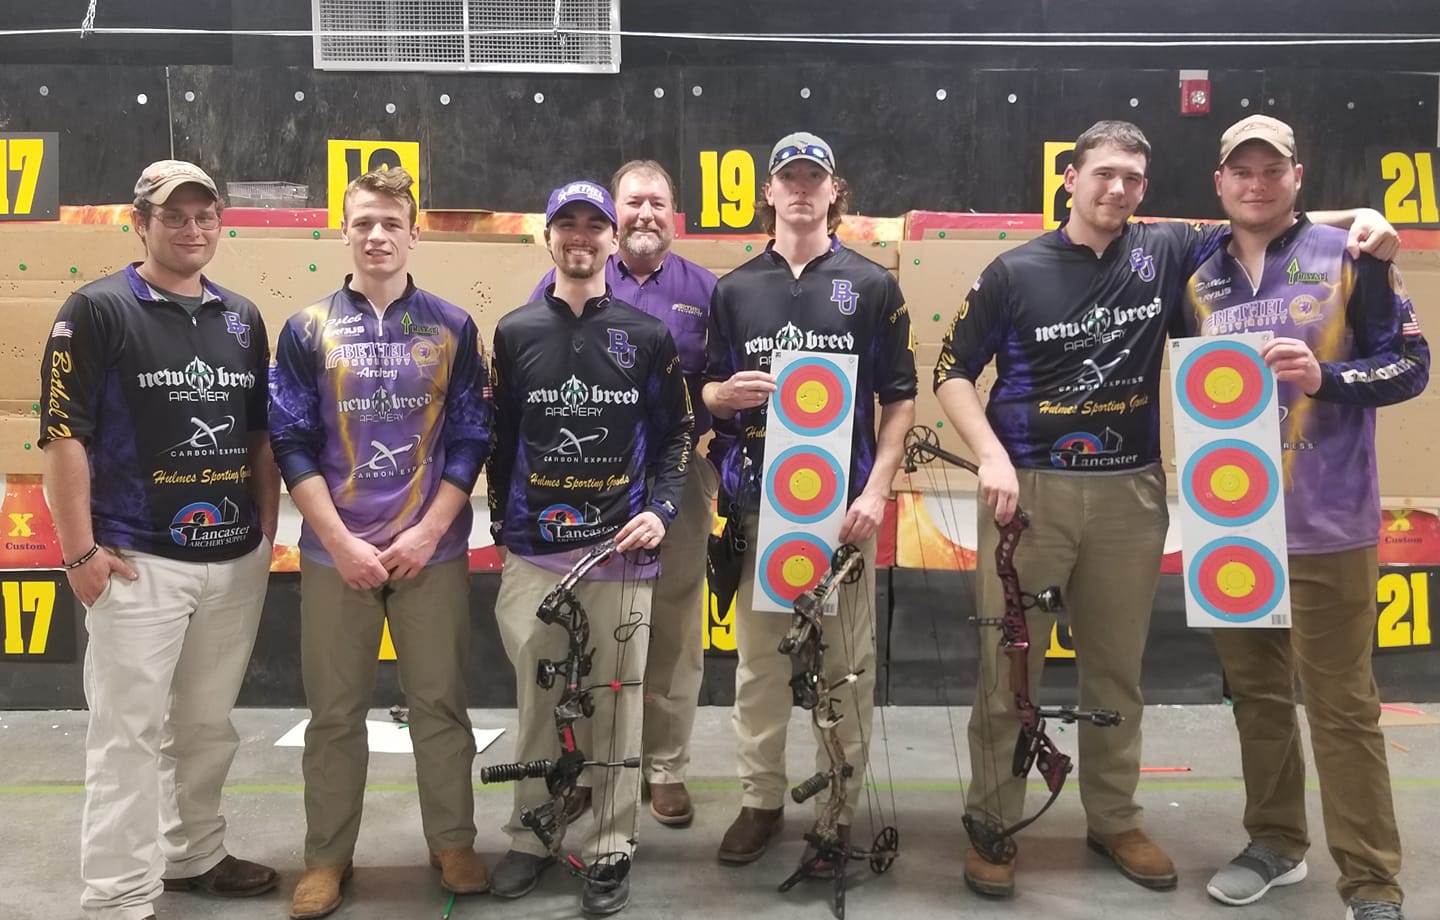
[176, 221]
[809, 150]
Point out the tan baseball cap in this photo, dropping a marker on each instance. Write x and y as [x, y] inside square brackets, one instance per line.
[163, 177]
[1272, 131]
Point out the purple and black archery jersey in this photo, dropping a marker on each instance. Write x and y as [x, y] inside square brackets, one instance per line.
[842, 302]
[384, 408]
[1358, 320]
[587, 409]
[1077, 343]
[164, 401]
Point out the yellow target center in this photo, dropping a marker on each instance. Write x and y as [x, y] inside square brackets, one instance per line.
[812, 396]
[1229, 483]
[805, 484]
[1236, 579]
[1224, 384]
[798, 572]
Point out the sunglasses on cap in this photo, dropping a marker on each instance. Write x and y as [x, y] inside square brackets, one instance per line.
[809, 150]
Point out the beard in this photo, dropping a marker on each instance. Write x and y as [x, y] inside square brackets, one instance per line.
[580, 268]
[643, 244]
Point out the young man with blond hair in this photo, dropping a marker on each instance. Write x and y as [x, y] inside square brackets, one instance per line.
[380, 427]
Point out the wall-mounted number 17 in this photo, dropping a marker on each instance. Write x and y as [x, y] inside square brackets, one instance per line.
[23, 156]
[33, 597]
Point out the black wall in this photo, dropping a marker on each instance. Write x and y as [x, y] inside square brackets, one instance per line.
[901, 147]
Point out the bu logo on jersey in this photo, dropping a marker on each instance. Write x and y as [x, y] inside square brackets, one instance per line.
[1142, 265]
[843, 296]
[620, 347]
[240, 330]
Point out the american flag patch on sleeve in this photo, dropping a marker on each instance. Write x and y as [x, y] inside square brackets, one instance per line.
[1411, 326]
[61, 330]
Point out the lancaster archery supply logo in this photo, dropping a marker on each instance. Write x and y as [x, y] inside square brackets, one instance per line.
[197, 382]
[790, 337]
[1082, 450]
[201, 525]
[566, 523]
[410, 327]
[575, 398]
[1142, 265]
[204, 440]
[575, 448]
[383, 405]
[1099, 325]
[620, 348]
[843, 296]
[240, 330]
[386, 460]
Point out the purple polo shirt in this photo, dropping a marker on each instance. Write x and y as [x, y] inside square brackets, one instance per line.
[677, 294]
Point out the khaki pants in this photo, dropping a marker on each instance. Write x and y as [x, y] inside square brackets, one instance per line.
[166, 659]
[675, 666]
[340, 631]
[1332, 599]
[763, 699]
[616, 724]
[1099, 538]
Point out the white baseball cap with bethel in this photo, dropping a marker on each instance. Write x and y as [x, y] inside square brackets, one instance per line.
[1271, 131]
[161, 178]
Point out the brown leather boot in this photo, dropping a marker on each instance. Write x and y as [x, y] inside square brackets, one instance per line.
[1137, 857]
[461, 871]
[670, 804]
[231, 877]
[318, 892]
[993, 880]
[750, 834]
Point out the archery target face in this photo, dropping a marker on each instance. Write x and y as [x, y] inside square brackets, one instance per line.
[813, 396]
[792, 565]
[1236, 580]
[1227, 385]
[805, 484]
[1230, 483]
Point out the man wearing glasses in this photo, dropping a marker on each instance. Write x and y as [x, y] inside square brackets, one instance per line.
[159, 476]
[805, 292]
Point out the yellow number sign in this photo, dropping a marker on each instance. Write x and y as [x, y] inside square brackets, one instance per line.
[349, 160]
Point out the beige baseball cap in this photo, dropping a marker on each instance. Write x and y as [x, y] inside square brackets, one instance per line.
[1272, 131]
[163, 177]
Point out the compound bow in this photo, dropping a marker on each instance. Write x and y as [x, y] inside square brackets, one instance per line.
[548, 821]
[994, 840]
[811, 691]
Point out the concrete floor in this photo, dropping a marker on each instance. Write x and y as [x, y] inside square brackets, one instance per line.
[1194, 814]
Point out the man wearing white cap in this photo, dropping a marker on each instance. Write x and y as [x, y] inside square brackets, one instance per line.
[159, 476]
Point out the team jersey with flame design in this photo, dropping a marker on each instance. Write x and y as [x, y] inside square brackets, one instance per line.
[843, 303]
[1077, 343]
[1358, 320]
[587, 409]
[384, 408]
[164, 402]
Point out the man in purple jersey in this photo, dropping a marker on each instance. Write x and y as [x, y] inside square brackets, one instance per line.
[380, 426]
[647, 275]
[1346, 341]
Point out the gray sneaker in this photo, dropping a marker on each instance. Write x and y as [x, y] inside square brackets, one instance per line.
[1246, 878]
[1374, 910]
[517, 874]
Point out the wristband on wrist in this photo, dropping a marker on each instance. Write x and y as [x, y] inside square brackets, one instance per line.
[90, 554]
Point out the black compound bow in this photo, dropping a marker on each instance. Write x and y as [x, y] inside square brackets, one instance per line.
[994, 840]
[562, 607]
[804, 643]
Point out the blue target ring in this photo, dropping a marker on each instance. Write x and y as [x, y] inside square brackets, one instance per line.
[810, 468]
[779, 558]
[1218, 509]
[1266, 579]
[1224, 384]
[813, 396]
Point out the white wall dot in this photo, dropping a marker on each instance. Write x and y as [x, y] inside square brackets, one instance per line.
[1349, 105]
[1270, 101]
[142, 98]
[1134, 103]
[299, 96]
[696, 90]
[539, 98]
[1245, 103]
[389, 108]
[45, 91]
[804, 92]
[659, 92]
[1012, 98]
[1422, 101]
[941, 94]
[444, 98]
[189, 95]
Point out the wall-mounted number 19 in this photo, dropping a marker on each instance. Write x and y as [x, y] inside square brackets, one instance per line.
[728, 189]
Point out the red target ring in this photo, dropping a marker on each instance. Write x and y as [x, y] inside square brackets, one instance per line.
[804, 484]
[813, 396]
[1225, 385]
[1237, 580]
[1231, 483]
[791, 566]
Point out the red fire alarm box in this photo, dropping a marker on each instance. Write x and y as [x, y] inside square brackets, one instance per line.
[1194, 92]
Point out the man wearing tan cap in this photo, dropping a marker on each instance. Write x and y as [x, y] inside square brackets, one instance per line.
[1346, 341]
[159, 476]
